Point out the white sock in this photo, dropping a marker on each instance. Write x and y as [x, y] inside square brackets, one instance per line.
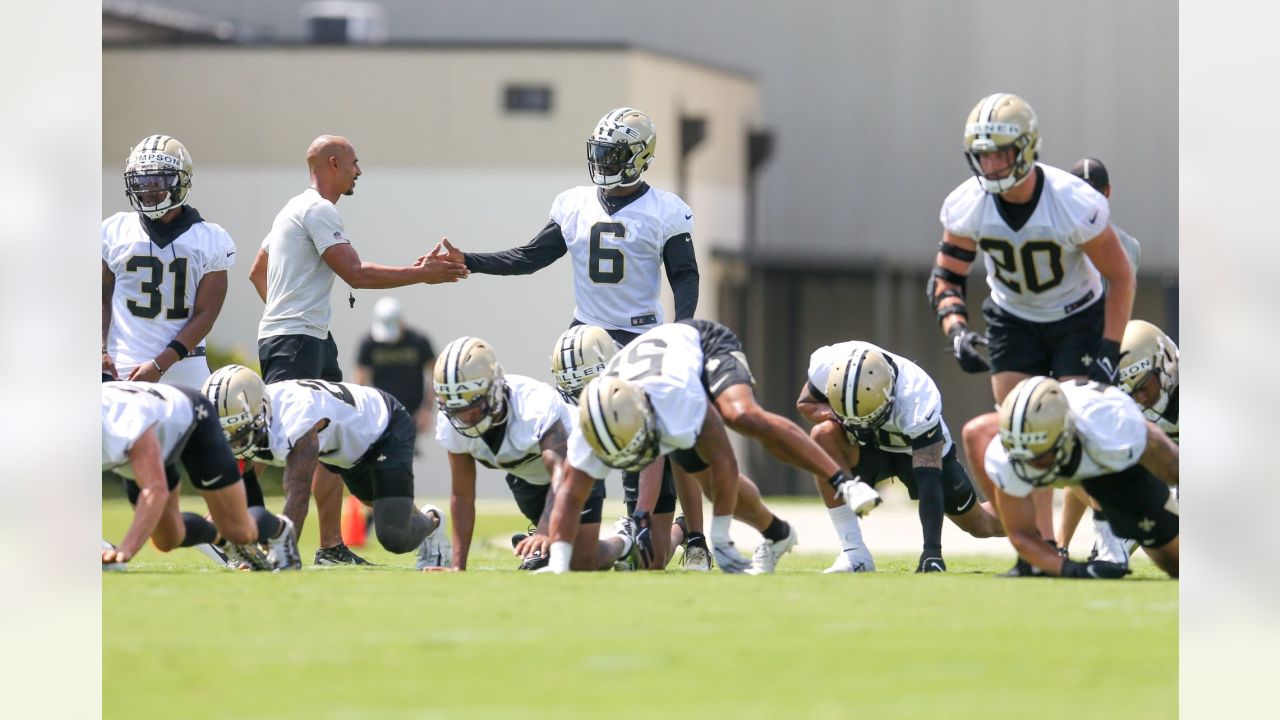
[626, 545]
[847, 527]
[561, 554]
[720, 530]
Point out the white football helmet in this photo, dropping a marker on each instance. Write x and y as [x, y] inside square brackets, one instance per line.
[470, 386]
[1037, 429]
[619, 423]
[579, 355]
[860, 391]
[1147, 353]
[621, 148]
[244, 408]
[998, 123]
[157, 176]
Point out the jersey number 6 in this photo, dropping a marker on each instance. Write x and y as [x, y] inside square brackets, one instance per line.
[599, 253]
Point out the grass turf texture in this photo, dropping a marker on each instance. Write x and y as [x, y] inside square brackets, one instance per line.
[180, 635]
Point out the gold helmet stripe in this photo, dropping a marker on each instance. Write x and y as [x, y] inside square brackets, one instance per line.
[598, 422]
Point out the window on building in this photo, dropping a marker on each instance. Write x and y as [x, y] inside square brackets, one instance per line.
[526, 98]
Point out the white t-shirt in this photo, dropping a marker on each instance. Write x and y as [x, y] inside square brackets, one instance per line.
[617, 259]
[155, 288]
[298, 280]
[1109, 426]
[129, 408]
[666, 362]
[1068, 214]
[533, 408]
[357, 417]
[917, 404]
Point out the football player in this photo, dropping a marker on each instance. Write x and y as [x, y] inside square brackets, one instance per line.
[650, 403]
[294, 272]
[881, 415]
[1048, 245]
[1092, 435]
[362, 434]
[1149, 374]
[519, 425]
[579, 355]
[148, 432]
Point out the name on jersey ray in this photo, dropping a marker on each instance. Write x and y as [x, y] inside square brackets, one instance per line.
[458, 388]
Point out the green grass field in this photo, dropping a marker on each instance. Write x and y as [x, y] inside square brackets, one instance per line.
[182, 638]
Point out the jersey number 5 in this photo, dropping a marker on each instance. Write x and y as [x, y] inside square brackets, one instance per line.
[642, 360]
[617, 261]
[1001, 251]
[151, 287]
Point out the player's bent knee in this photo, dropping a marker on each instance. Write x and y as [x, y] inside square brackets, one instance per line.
[396, 540]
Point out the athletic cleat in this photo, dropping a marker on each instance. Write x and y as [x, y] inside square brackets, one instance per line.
[435, 550]
[282, 550]
[697, 558]
[245, 557]
[765, 559]
[931, 565]
[1022, 568]
[535, 560]
[339, 554]
[1107, 546]
[854, 560]
[859, 496]
[214, 554]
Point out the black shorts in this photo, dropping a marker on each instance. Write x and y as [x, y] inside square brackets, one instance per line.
[666, 493]
[204, 455]
[298, 357]
[531, 499]
[724, 363]
[1137, 505]
[876, 465]
[386, 469]
[1057, 349]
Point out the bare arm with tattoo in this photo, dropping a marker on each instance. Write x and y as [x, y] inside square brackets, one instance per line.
[298, 469]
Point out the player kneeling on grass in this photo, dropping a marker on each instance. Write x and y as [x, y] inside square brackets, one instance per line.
[519, 425]
[363, 434]
[881, 415]
[1095, 436]
[148, 430]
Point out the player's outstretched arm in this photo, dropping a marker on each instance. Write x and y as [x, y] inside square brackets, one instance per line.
[1160, 455]
[298, 468]
[153, 494]
[545, 248]
[434, 268]
[813, 409]
[462, 506]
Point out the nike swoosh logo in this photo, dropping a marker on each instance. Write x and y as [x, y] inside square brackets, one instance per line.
[965, 508]
[233, 252]
[929, 416]
[210, 481]
[1095, 217]
[688, 217]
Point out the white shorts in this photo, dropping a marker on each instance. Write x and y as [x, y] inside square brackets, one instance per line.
[188, 372]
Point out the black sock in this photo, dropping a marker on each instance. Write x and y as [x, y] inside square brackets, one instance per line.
[268, 524]
[778, 530]
[695, 539]
[837, 480]
[252, 489]
[199, 530]
[929, 487]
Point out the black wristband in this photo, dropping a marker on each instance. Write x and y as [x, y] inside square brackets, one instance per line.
[179, 348]
[1109, 348]
[957, 329]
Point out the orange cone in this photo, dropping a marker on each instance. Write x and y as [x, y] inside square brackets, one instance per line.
[353, 533]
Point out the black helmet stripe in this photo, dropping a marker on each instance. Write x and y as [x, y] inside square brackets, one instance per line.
[454, 359]
[598, 422]
[988, 109]
[1020, 404]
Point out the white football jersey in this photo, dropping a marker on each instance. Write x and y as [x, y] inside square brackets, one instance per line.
[1109, 426]
[129, 408]
[155, 288]
[666, 363]
[533, 408]
[357, 416]
[617, 259]
[298, 279]
[1037, 273]
[917, 404]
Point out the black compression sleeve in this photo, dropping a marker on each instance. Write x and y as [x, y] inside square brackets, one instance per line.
[541, 251]
[929, 486]
[682, 273]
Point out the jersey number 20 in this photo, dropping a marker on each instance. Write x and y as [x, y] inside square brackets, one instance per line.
[1001, 251]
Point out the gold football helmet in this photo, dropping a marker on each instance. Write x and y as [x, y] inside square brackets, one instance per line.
[619, 423]
[1037, 429]
[621, 148]
[860, 391]
[244, 409]
[579, 355]
[157, 175]
[469, 386]
[1148, 365]
[1002, 123]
